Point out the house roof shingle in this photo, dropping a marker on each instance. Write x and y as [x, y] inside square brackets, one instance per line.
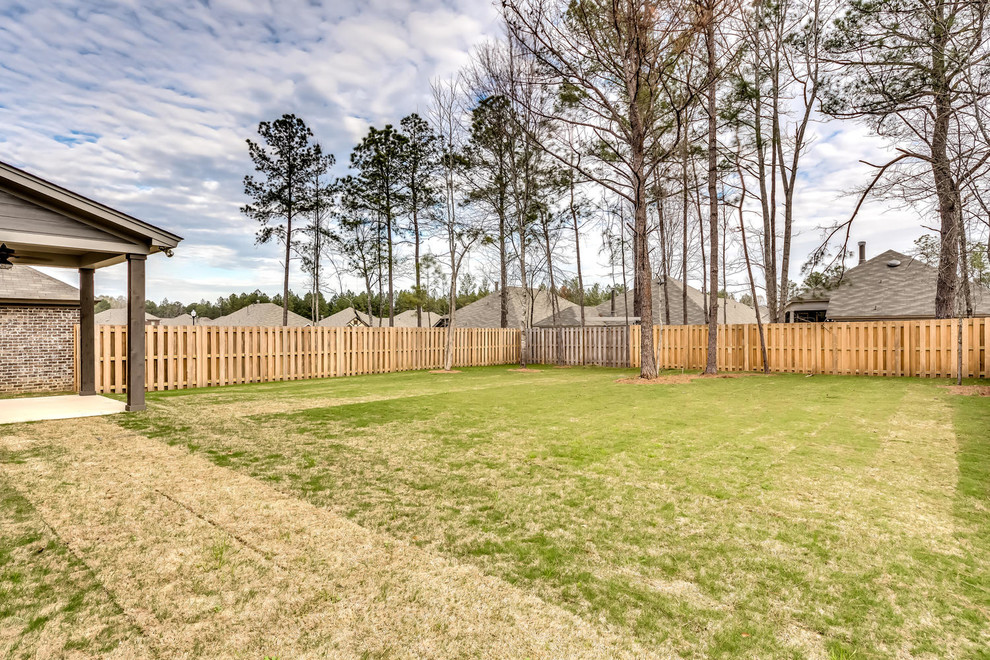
[487, 312]
[118, 316]
[26, 284]
[347, 317]
[407, 319]
[186, 319]
[876, 290]
[729, 311]
[260, 315]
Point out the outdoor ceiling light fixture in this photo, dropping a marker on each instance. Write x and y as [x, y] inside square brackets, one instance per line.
[5, 254]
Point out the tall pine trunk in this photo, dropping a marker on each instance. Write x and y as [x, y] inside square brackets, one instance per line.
[711, 367]
[945, 186]
[684, 228]
[285, 280]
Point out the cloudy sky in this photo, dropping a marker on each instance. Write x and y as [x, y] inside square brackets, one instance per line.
[145, 106]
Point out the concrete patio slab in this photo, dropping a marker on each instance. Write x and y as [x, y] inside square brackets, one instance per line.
[36, 409]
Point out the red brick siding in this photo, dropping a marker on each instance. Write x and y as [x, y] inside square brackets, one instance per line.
[36, 348]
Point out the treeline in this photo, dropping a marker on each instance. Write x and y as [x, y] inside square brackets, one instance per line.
[677, 131]
[299, 304]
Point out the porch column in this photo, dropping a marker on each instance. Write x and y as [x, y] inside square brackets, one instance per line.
[87, 334]
[135, 331]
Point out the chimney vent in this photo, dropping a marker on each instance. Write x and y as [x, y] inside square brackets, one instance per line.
[862, 251]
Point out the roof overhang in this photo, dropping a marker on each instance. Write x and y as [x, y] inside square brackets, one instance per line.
[112, 235]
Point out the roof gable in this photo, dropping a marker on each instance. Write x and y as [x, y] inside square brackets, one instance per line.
[349, 317]
[46, 224]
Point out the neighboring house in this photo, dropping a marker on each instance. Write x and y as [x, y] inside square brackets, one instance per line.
[889, 286]
[352, 318]
[729, 311]
[37, 316]
[348, 318]
[571, 316]
[407, 319]
[533, 306]
[187, 319]
[259, 315]
[118, 316]
[809, 306]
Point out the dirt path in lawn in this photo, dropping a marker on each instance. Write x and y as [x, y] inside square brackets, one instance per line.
[211, 563]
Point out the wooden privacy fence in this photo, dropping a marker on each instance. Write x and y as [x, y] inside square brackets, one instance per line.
[926, 348]
[179, 357]
[596, 346]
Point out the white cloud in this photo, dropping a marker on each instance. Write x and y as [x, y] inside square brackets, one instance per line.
[146, 106]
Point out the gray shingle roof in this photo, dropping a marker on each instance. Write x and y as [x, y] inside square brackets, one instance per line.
[118, 316]
[487, 312]
[874, 290]
[260, 315]
[186, 319]
[25, 284]
[729, 311]
[348, 317]
[407, 319]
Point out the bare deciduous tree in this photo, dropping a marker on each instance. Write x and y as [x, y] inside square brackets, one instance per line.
[611, 62]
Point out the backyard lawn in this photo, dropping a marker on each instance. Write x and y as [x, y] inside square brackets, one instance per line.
[490, 512]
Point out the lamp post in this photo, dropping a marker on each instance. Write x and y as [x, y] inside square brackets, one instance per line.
[193, 315]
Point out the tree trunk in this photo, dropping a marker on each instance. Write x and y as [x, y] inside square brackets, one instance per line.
[419, 286]
[577, 250]
[448, 362]
[664, 266]
[945, 186]
[749, 271]
[684, 231]
[503, 272]
[391, 277]
[704, 256]
[367, 285]
[523, 353]
[641, 261]
[769, 228]
[285, 281]
[711, 366]
[964, 271]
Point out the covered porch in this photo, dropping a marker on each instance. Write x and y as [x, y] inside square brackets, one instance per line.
[42, 224]
[68, 406]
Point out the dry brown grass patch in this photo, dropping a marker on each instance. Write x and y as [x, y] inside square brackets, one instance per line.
[202, 557]
[445, 371]
[527, 370]
[969, 390]
[674, 379]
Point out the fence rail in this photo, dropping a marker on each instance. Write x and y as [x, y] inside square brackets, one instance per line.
[179, 357]
[926, 348]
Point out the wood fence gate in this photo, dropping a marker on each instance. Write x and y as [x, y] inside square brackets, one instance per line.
[595, 346]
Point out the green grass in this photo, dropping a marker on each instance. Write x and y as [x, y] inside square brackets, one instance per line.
[752, 517]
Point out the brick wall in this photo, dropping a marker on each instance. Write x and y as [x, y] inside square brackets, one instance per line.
[36, 348]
